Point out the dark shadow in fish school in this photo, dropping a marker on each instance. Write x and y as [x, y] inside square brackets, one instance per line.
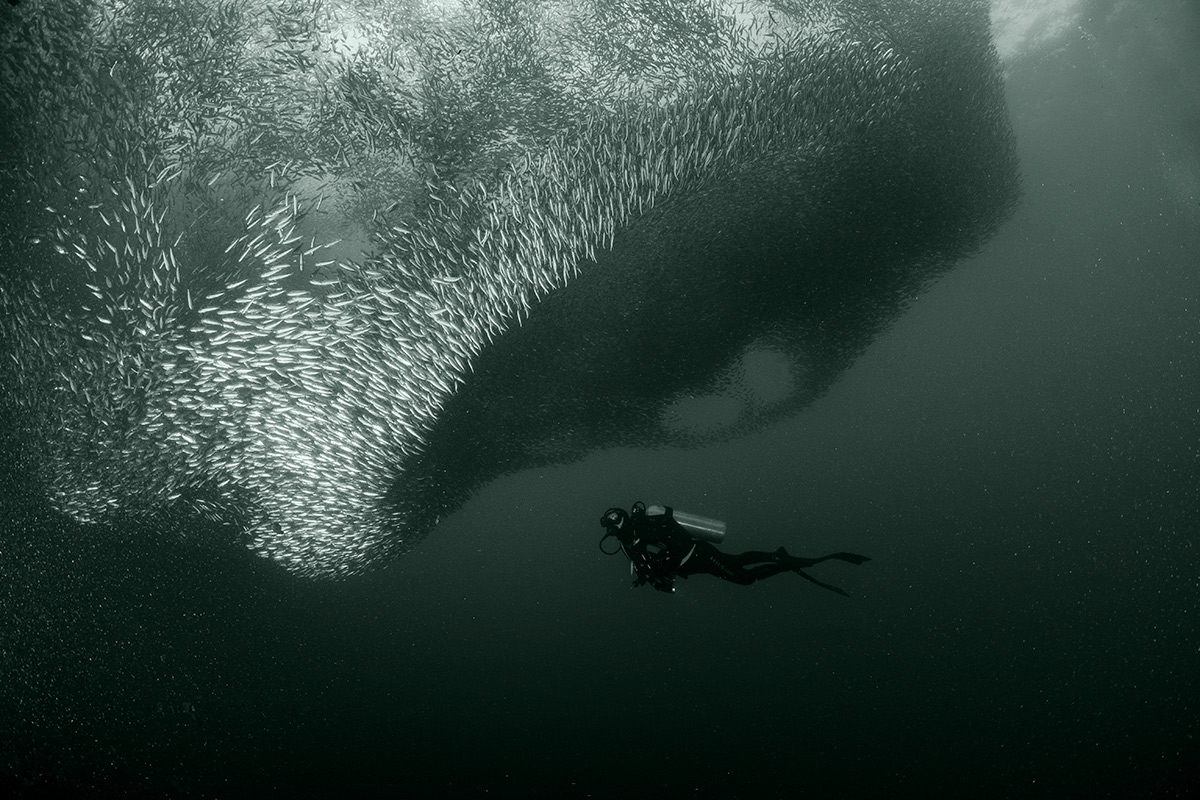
[663, 544]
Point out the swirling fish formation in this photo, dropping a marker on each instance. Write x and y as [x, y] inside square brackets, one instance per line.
[256, 253]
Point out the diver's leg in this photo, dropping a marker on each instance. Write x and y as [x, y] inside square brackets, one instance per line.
[797, 563]
[800, 562]
[730, 567]
[755, 565]
[750, 557]
[746, 575]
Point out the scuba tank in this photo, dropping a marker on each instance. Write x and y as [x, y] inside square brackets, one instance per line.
[705, 529]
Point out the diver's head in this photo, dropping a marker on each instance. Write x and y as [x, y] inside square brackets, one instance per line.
[614, 520]
[616, 523]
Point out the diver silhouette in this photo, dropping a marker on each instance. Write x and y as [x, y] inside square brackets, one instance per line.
[662, 544]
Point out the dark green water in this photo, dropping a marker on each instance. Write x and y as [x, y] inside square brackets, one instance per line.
[1018, 454]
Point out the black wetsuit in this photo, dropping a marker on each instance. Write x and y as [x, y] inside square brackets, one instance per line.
[660, 549]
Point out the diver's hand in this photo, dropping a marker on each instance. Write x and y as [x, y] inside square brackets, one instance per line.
[664, 584]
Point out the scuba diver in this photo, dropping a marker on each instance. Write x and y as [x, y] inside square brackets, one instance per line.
[662, 544]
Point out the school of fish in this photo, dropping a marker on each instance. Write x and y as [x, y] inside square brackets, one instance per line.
[253, 249]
